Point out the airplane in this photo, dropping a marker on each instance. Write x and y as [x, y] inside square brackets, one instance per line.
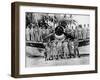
[57, 34]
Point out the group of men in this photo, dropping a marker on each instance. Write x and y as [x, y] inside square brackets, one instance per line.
[37, 34]
[80, 32]
[57, 49]
[61, 49]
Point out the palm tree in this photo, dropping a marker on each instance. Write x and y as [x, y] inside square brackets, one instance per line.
[68, 20]
[71, 21]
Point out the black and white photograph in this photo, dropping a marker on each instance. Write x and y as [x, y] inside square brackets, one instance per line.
[56, 39]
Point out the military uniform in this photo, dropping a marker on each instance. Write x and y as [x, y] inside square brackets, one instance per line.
[65, 49]
[32, 33]
[76, 51]
[27, 33]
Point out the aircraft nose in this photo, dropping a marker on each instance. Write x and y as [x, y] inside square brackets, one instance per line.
[59, 30]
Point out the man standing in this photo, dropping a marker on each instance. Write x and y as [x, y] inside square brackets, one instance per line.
[84, 32]
[76, 51]
[27, 33]
[32, 33]
[65, 49]
[36, 33]
[80, 31]
[71, 48]
[76, 33]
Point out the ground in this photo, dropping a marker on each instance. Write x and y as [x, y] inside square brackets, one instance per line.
[40, 61]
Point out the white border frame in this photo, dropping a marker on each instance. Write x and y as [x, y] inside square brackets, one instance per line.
[53, 69]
